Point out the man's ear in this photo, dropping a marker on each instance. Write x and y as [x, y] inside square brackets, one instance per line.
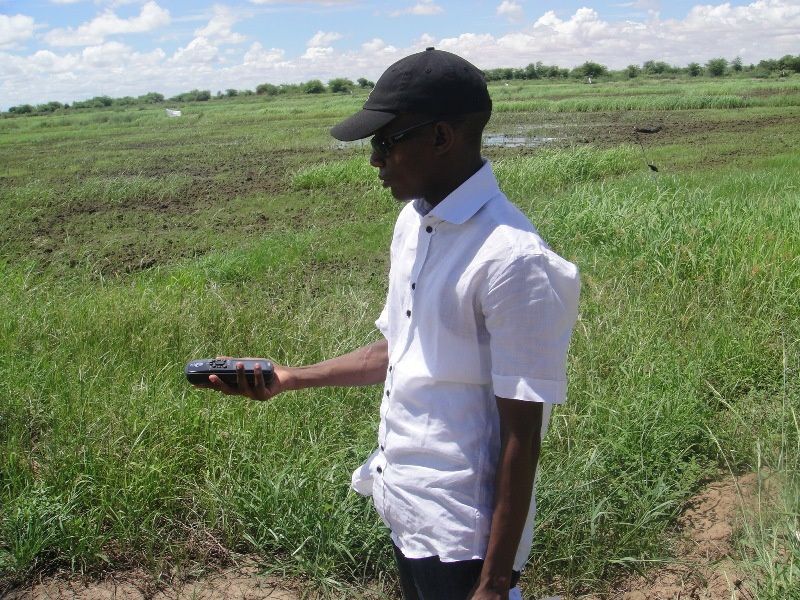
[445, 137]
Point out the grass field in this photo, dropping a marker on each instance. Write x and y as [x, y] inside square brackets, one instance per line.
[130, 243]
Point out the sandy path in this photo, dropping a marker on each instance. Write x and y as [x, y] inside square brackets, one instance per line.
[232, 584]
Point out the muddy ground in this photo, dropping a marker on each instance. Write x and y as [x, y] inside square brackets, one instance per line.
[704, 544]
[239, 198]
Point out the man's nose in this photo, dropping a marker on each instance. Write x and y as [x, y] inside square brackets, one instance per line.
[376, 159]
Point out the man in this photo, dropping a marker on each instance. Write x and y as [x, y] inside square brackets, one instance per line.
[476, 327]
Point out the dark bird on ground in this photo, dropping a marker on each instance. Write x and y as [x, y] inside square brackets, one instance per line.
[647, 129]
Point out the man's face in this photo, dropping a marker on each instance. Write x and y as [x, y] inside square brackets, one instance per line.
[407, 167]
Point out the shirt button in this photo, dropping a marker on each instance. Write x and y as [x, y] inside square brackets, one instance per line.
[382, 448]
[379, 470]
[408, 313]
[390, 368]
[413, 286]
[387, 393]
[429, 229]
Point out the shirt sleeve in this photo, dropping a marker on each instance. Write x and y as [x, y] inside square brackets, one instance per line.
[382, 323]
[530, 308]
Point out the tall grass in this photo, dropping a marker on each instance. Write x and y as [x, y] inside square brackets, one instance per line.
[648, 102]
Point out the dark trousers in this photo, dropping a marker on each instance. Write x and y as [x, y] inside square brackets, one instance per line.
[431, 579]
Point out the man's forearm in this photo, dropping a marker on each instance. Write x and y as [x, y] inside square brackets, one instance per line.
[516, 472]
[513, 497]
[365, 366]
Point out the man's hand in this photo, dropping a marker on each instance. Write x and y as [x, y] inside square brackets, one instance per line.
[280, 382]
[488, 594]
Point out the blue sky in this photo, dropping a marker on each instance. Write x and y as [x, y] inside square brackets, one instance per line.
[71, 49]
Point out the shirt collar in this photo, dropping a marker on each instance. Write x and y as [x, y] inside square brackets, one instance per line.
[468, 198]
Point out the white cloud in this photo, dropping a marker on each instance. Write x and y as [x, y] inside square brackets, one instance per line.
[262, 57]
[315, 53]
[511, 10]
[65, 1]
[648, 5]
[423, 8]
[48, 62]
[105, 55]
[219, 27]
[323, 38]
[377, 46]
[199, 51]
[152, 16]
[14, 30]
[319, 2]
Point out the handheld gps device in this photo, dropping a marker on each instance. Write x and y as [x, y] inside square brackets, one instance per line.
[197, 371]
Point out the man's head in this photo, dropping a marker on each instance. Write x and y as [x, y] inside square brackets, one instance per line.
[426, 115]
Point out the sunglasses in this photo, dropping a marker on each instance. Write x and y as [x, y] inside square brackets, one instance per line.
[382, 145]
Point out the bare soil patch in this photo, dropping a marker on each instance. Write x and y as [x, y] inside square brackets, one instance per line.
[243, 583]
[706, 567]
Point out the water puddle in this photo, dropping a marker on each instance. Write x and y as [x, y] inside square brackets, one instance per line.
[349, 145]
[502, 140]
[490, 140]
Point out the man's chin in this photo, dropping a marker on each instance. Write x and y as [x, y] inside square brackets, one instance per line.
[400, 196]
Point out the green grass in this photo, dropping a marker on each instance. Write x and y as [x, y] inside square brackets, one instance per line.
[132, 243]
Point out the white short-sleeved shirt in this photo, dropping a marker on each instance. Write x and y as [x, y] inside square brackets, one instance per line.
[478, 306]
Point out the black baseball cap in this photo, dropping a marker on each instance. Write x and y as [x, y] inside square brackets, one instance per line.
[433, 82]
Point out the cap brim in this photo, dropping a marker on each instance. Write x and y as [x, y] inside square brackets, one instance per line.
[361, 125]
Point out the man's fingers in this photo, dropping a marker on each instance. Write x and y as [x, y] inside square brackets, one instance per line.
[262, 393]
[219, 385]
[257, 390]
[241, 381]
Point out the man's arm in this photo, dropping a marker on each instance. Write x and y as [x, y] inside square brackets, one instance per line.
[365, 366]
[520, 431]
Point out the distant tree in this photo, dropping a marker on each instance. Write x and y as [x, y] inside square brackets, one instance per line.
[633, 71]
[531, 72]
[151, 98]
[769, 64]
[503, 73]
[340, 85]
[291, 88]
[192, 96]
[125, 101]
[592, 69]
[365, 83]
[789, 63]
[96, 102]
[246, 92]
[557, 72]
[315, 86]
[48, 107]
[230, 92]
[716, 67]
[736, 64]
[694, 69]
[267, 89]
[22, 109]
[658, 67]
